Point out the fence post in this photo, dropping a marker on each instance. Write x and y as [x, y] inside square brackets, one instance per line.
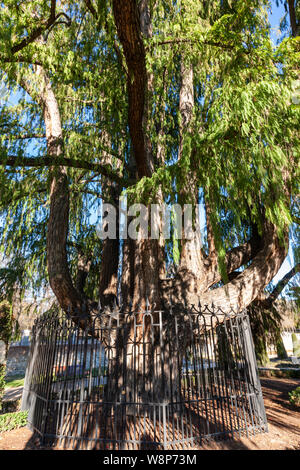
[254, 375]
[26, 395]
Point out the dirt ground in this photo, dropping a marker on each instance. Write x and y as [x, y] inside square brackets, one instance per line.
[283, 421]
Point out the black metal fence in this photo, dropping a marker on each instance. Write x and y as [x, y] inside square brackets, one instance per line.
[143, 380]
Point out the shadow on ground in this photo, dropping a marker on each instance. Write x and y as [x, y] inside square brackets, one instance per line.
[283, 421]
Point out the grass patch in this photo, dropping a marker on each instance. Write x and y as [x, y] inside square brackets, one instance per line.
[10, 421]
[16, 381]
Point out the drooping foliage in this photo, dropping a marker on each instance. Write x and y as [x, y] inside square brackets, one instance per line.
[241, 147]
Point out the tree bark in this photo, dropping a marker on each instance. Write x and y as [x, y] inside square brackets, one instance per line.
[132, 22]
[108, 285]
[60, 280]
[295, 25]
[190, 270]
[240, 292]
[127, 22]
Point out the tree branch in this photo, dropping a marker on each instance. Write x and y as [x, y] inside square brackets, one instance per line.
[129, 33]
[234, 259]
[39, 162]
[83, 266]
[25, 136]
[240, 292]
[91, 8]
[227, 47]
[36, 33]
[281, 284]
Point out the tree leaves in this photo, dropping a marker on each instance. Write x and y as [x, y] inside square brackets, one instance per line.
[243, 137]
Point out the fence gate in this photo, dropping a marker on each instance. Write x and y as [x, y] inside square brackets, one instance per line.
[143, 380]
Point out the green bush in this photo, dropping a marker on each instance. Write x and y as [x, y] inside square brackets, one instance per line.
[295, 397]
[10, 421]
[10, 406]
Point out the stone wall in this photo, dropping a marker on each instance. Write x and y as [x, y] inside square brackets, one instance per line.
[17, 360]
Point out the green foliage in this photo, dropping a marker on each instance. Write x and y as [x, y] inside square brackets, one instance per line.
[295, 397]
[10, 406]
[243, 135]
[5, 322]
[10, 421]
[16, 381]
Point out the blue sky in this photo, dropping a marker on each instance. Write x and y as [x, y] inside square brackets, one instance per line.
[275, 17]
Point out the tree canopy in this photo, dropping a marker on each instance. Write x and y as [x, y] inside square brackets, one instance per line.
[174, 101]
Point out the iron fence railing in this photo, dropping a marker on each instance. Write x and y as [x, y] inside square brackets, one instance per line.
[143, 380]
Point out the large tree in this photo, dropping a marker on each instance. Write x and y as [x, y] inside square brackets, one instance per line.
[168, 102]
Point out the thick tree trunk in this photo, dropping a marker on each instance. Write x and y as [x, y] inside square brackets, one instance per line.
[108, 284]
[69, 298]
[294, 20]
[247, 285]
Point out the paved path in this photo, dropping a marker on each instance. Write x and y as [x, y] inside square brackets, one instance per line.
[11, 394]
